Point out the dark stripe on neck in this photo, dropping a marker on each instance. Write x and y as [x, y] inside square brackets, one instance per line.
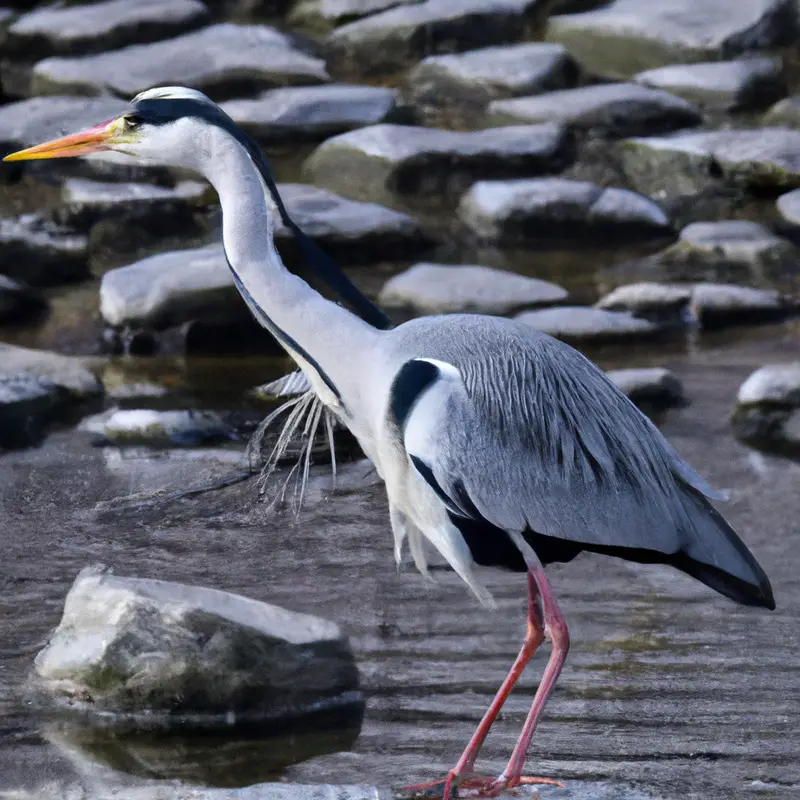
[412, 379]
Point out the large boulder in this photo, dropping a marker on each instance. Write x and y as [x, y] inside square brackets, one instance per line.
[400, 36]
[157, 651]
[628, 36]
[387, 162]
[311, 112]
[558, 209]
[448, 289]
[581, 325]
[611, 109]
[223, 60]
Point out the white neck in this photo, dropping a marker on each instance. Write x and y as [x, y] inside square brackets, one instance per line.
[320, 336]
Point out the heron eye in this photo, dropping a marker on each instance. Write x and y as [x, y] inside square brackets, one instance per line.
[132, 122]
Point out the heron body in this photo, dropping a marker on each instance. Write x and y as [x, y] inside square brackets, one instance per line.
[498, 445]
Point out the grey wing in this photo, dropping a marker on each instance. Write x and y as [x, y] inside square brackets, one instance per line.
[539, 439]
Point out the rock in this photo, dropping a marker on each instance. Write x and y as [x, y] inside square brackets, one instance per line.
[628, 36]
[383, 162]
[785, 113]
[222, 60]
[558, 209]
[767, 412]
[34, 249]
[474, 78]
[788, 206]
[441, 289]
[106, 25]
[652, 387]
[162, 652]
[322, 15]
[611, 109]
[151, 428]
[290, 385]
[582, 325]
[658, 302]
[17, 301]
[689, 163]
[744, 84]
[311, 112]
[27, 404]
[72, 375]
[393, 39]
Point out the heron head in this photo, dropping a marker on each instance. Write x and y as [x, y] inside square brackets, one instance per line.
[164, 125]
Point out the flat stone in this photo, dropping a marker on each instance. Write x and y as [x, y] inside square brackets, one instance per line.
[72, 375]
[774, 384]
[558, 209]
[766, 159]
[629, 36]
[107, 25]
[654, 301]
[311, 112]
[17, 301]
[322, 15]
[785, 113]
[744, 84]
[152, 428]
[443, 289]
[478, 76]
[39, 252]
[383, 162]
[611, 109]
[589, 325]
[134, 648]
[788, 206]
[27, 404]
[393, 39]
[649, 387]
[222, 60]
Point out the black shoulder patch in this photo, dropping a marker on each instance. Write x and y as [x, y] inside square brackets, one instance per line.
[412, 379]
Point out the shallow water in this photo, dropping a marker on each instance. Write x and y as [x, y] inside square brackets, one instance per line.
[669, 690]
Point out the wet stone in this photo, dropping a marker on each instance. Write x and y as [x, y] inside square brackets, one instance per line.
[311, 112]
[689, 163]
[189, 656]
[107, 25]
[653, 387]
[446, 289]
[579, 324]
[785, 112]
[788, 206]
[27, 404]
[39, 252]
[384, 162]
[393, 39]
[223, 60]
[474, 78]
[658, 302]
[72, 375]
[147, 427]
[17, 301]
[558, 209]
[612, 109]
[322, 15]
[744, 84]
[290, 385]
[629, 36]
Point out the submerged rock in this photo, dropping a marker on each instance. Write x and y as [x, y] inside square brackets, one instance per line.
[177, 428]
[446, 289]
[611, 109]
[27, 404]
[311, 112]
[171, 655]
[579, 324]
[559, 209]
[628, 36]
[767, 410]
[17, 301]
[474, 78]
[223, 60]
[393, 39]
[384, 162]
[653, 387]
[747, 83]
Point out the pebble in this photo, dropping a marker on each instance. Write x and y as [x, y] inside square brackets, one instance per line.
[582, 325]
[17, 301]
[625, 37]
[222, 60]
[311, 112]
[448, 289]
[611, 109]
[134, 648]
[649, 387]
[478, 76]
[400, 36]
[384, 162]
[741, 85]
[559, 209]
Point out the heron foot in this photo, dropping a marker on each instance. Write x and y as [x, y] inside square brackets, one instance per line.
[469, 785]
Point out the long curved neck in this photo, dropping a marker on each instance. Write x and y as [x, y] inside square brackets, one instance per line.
[320, 335]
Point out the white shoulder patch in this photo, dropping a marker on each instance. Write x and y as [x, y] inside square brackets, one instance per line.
[446, 369]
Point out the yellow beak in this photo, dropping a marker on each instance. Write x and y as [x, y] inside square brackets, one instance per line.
[92, 140]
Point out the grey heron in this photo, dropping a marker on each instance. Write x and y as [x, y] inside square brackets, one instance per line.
[498, 445]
